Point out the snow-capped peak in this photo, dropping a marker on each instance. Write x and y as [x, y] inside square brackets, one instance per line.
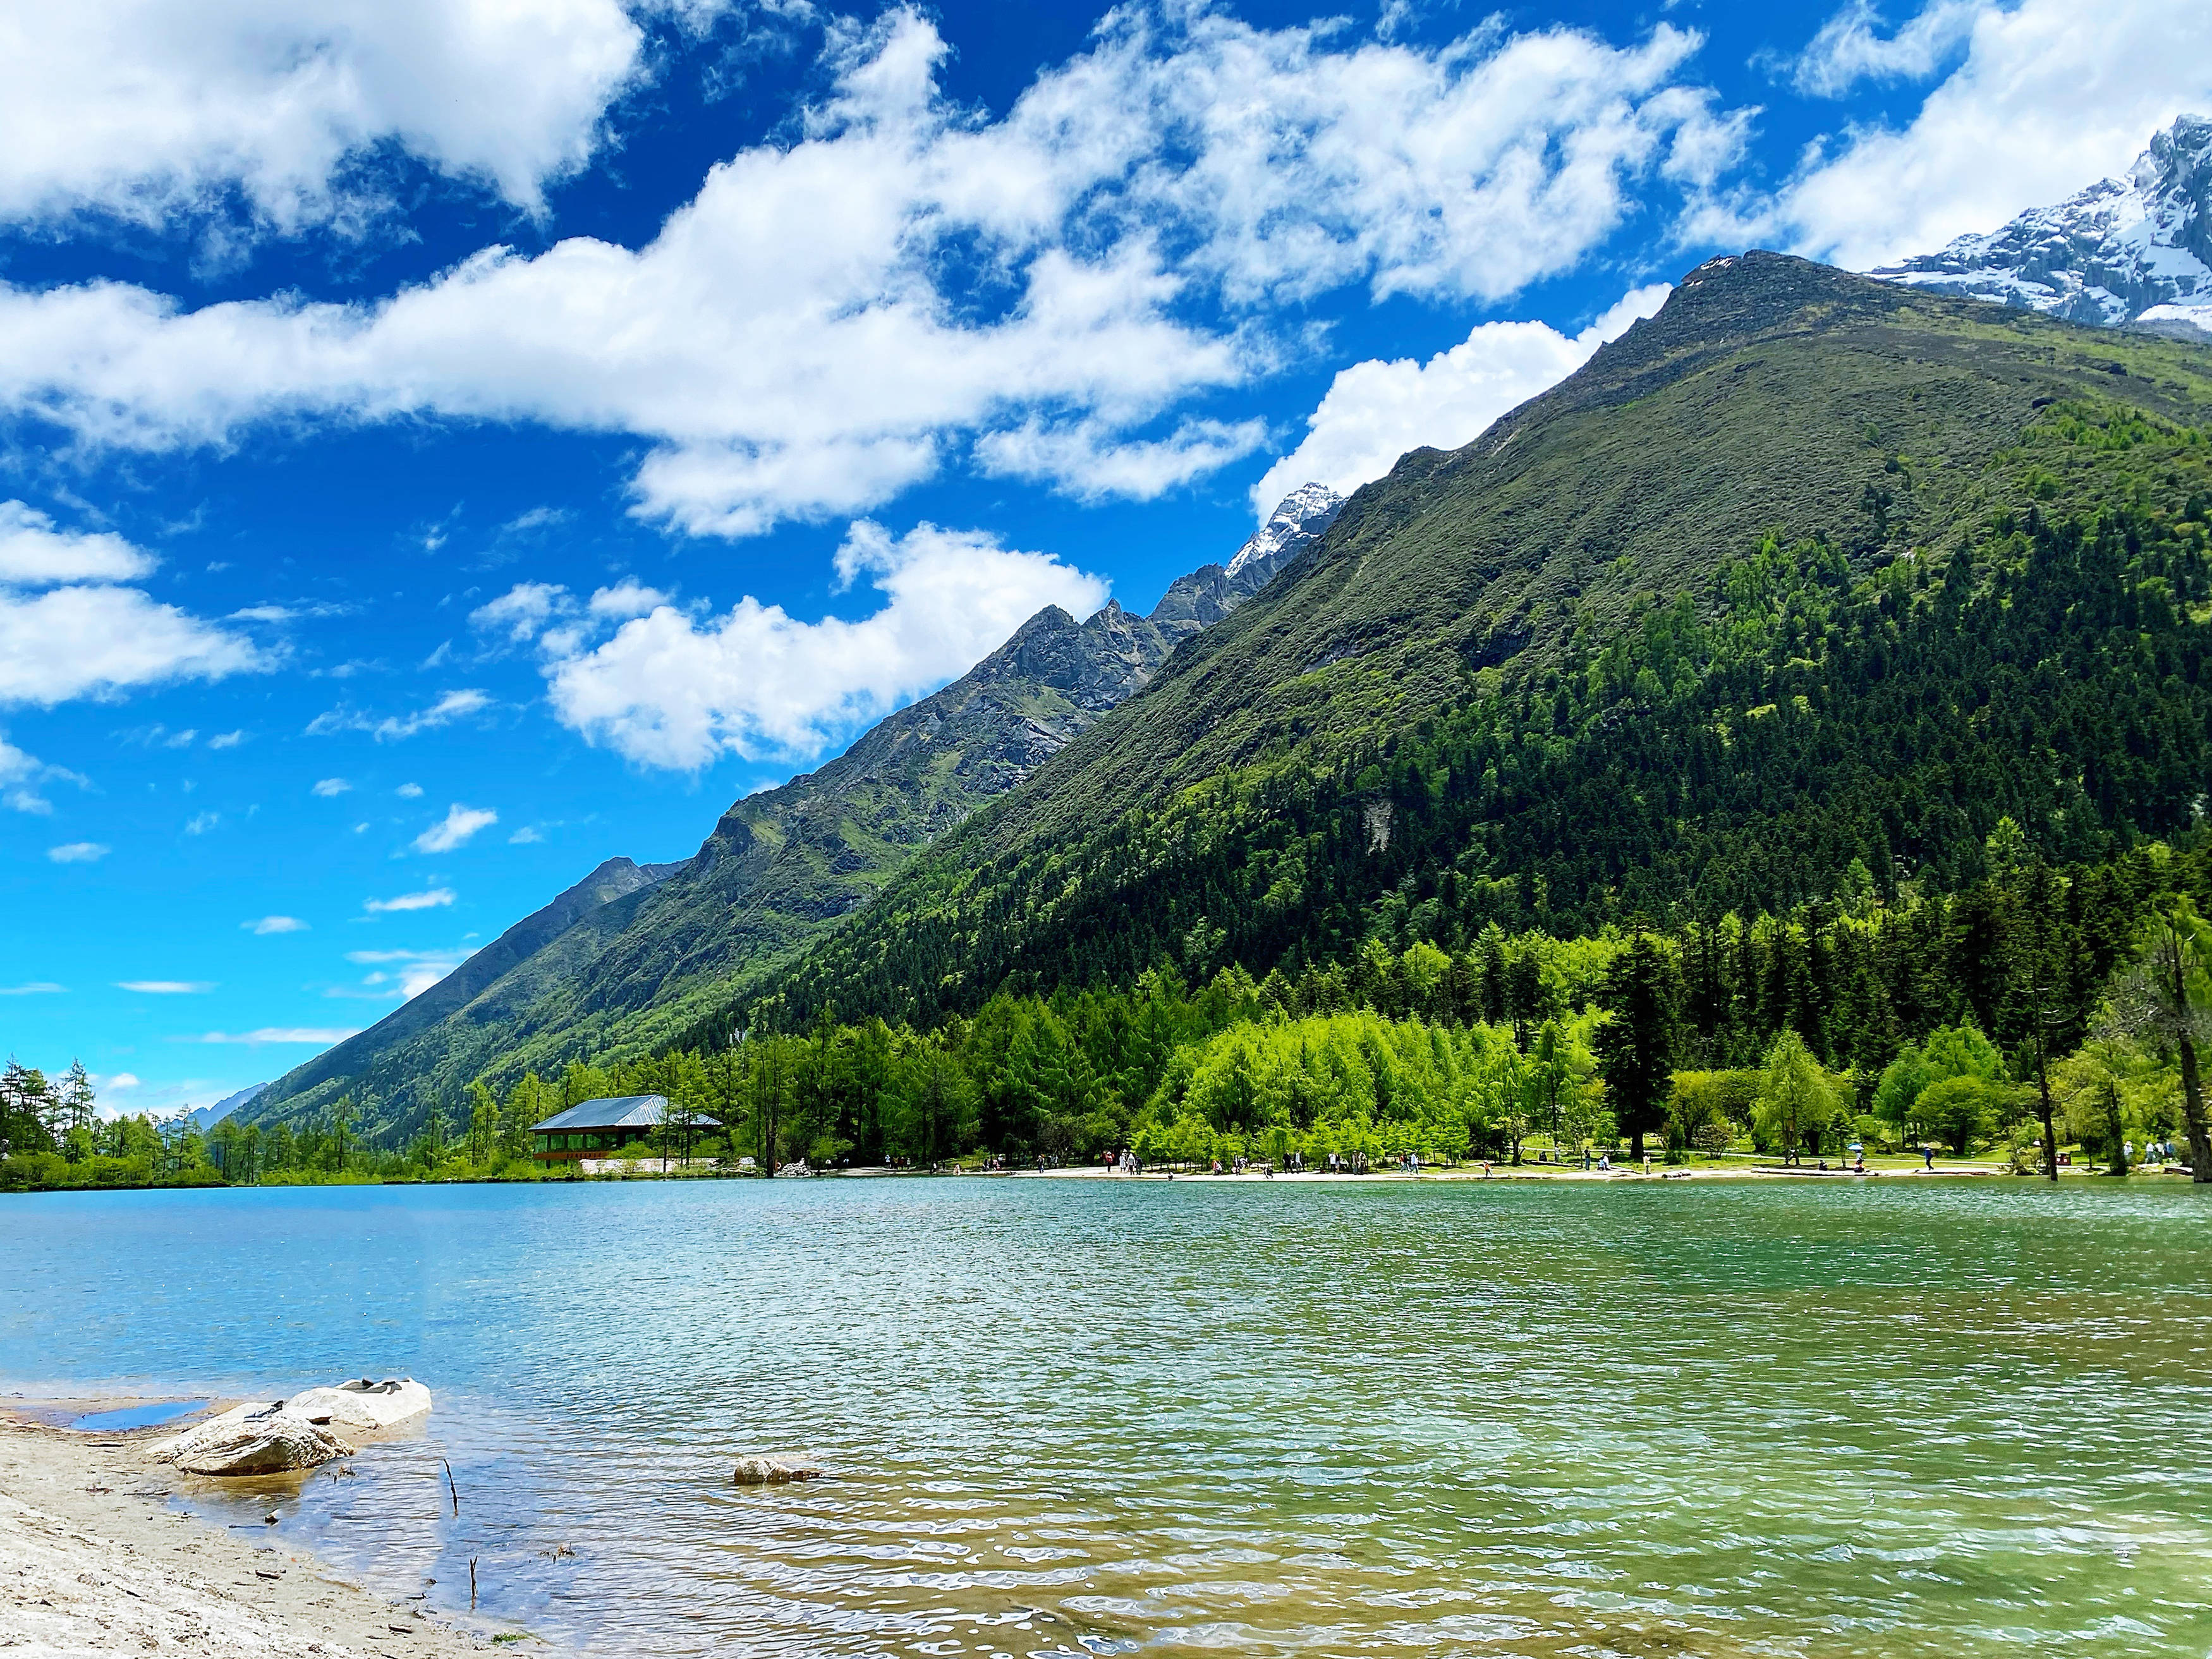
[1298, 518]
[2137, 249]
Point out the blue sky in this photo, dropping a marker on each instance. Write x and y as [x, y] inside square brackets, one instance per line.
[449, 443]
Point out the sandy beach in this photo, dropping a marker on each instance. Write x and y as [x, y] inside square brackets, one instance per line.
[93, 1561]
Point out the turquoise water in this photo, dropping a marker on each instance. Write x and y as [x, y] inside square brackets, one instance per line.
[137, 1417]
[1071, 1416]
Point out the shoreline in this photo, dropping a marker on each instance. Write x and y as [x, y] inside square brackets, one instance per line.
[95, 1561]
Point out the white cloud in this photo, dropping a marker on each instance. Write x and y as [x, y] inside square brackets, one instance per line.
[448, 709]
[275, 924]
[430, 900]
[523, 611]
[626, 599]
[166, 988]
[147, 110]
[320, 1035]
[1096, 463]
[226, 740]
[121, 1080]
[677, 690]
[528, 835]
[401, 975]
[329, 788]
[200, 822]
[79, 641]
[1375, 411]
[408, 791]
[20, 775]
[78, 851]
[1850, 47]
[454, 829]
[34, 553]
[2052, 96]
[83, 640]
[37, 989]
[808, 337]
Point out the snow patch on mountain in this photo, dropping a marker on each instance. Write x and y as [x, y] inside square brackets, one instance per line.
[2133, 250]
[1299, 519]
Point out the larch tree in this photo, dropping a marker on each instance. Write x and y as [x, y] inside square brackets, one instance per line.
[2164, 999]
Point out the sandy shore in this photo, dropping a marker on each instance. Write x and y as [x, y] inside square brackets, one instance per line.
[93, 1561]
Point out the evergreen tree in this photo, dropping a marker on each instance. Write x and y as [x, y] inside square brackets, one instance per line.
[1636, 1047]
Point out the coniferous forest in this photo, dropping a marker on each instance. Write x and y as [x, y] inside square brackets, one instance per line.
[1877, 825]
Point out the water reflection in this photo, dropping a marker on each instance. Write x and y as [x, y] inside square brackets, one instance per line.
[1075, 1417]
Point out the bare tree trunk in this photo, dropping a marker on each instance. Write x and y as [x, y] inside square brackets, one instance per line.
[2192, 1109]
[2043, 1111]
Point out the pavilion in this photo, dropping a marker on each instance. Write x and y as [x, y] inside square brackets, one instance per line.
[602, 1128]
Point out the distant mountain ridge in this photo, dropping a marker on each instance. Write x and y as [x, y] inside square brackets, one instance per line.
[634, 952]
[2131, 250]
[207, 1117]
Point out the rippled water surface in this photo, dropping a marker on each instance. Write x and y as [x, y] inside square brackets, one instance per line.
[1071, 1416]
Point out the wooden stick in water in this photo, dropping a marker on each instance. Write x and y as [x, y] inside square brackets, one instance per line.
[451, 1487]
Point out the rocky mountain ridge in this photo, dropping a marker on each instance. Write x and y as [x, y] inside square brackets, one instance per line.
[2133, 251]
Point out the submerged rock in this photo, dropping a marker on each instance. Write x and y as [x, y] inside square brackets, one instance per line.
[364, 1407]
[772, 1471]
[259, 1438]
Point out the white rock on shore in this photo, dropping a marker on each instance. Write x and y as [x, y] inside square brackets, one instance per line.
[303, 1432]
[259, 1438]
[363, 1407]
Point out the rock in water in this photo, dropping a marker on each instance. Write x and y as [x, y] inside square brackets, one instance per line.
[258, 1438]
[772, 1471]
[363, 1407]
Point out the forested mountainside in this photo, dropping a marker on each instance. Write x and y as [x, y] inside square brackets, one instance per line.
[634, 952]
[1797, 589]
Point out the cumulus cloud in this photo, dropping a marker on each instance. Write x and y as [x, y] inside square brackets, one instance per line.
[675, 689]
[85, 640]
[903, 285]
[166, 988]
[145, 110]
[33, 552]
[1375, 411]
[329, 788]
[455, 829]
[78, 851]
[408, 791]
[432, 899]
[2050, 97]
[275, 925]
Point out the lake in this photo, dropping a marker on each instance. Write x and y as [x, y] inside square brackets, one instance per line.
[1071, 1416]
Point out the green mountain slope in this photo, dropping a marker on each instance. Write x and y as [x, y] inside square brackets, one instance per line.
[634, 952]
[1802, 583]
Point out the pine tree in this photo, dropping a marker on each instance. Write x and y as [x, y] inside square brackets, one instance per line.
[1636, 1046]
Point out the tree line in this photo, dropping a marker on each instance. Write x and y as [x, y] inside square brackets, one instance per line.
[2040, 1012]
